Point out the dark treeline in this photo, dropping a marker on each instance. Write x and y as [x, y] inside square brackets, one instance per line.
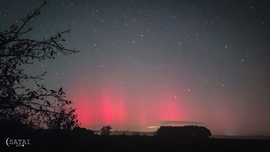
[82, 139]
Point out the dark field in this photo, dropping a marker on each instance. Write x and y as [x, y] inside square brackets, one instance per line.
[75, 142]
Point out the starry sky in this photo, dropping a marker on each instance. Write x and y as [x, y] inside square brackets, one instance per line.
[143, 64]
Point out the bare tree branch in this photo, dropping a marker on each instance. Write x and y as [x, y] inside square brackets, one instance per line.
[18, 103]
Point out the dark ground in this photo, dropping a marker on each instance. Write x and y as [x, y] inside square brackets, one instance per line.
[63, 142]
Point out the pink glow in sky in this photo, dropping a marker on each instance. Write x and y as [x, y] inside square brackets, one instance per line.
[111, 104]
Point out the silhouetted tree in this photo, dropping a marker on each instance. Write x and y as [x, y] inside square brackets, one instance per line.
[105, 130]
[21, 105]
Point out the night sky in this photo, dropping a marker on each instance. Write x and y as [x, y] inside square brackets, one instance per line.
[143, 64]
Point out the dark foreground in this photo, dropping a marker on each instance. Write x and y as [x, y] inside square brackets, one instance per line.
[65, 142]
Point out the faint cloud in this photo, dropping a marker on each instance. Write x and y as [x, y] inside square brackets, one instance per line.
[179, 122]
[151, 127]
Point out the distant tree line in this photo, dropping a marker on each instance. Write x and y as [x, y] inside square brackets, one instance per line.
[185, 131]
